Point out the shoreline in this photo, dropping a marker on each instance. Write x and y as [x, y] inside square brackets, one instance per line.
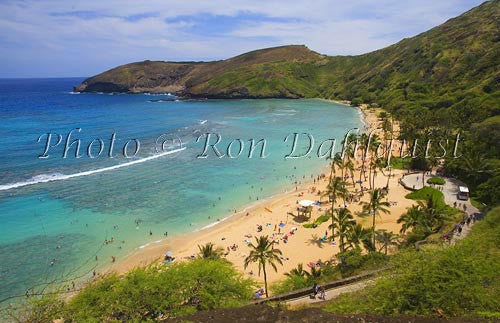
[133, 259]
[238, 229]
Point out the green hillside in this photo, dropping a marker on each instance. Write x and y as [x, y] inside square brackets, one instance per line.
[451, 70]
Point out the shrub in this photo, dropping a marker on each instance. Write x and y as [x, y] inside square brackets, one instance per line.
[436, 181]
[145, 293]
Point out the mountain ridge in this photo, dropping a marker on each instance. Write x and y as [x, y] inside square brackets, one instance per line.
[451, 66]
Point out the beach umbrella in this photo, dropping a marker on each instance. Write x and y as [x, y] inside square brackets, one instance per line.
[168, 253]
[306, 203]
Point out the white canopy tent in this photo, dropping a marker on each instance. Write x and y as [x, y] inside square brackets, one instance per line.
[306, 203]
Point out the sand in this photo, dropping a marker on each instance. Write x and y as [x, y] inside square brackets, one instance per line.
[303, 246]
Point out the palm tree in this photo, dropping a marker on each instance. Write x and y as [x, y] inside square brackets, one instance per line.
[299, 271]
[334, 190]
[359, 235]
[434, 214]
[377, 163]
[343, 222]
[386, 239]
[375, 206]
[349, 165]
[388, 177]
[475, 164]
[336, 162]
[315, 273]
[209, 251]
[363, 143]
[411, 219]
[374, 143]
[263, 253]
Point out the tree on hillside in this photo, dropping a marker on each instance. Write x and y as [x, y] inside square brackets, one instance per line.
[263, 254]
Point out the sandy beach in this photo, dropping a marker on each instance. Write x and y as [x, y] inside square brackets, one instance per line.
[303, 246]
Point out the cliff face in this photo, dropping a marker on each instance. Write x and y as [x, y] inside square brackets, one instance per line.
[145, 76]
[180, 78]
[447, 64]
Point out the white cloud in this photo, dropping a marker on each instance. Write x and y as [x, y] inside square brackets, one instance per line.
[48, 37]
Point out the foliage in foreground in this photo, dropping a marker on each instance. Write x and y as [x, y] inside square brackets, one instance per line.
[147, 293]
[460, 280]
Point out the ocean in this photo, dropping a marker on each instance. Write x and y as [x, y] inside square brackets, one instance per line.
[57, 210]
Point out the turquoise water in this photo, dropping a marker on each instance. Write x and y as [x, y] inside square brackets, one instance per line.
[52, 231]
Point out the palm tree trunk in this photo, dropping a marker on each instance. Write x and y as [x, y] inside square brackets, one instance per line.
[342, 170]
[370, 176]
[333, 223]
[361, 172]
[373, 228]
[388, 177]
[265, 278]
[331, 172]
[374, 175]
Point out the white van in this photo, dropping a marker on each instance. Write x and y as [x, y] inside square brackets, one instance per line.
[463, 193]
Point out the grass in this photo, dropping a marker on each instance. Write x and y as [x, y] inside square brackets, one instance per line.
[400, 163]
[426, 192]
[477, 204]
[436, 181]
[317, 222]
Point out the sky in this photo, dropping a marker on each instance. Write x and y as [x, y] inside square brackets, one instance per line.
[65, 38]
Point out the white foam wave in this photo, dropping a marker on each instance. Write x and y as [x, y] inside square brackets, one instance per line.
[44, 178]
[149, 243]
[203, 121]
